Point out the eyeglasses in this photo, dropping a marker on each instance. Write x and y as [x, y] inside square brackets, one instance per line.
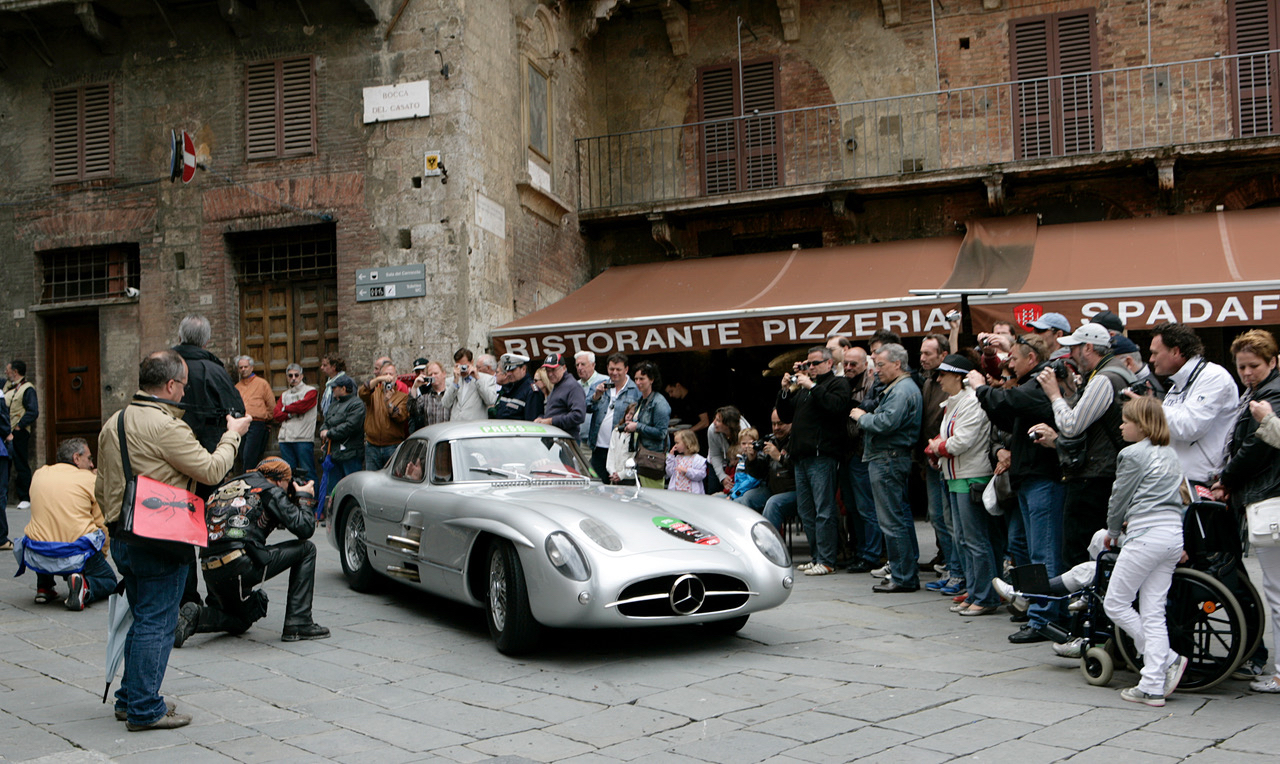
[292, 376]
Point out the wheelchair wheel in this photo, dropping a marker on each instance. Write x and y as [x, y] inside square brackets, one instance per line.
[1206, 624]
[1097, 666]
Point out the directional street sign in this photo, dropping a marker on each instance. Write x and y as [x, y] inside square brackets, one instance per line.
[188, 157]
[391, 283]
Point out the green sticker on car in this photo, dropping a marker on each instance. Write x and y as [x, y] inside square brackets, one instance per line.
[682, 530]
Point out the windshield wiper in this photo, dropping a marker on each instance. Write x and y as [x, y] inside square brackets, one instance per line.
[502, 473]
[561, 473]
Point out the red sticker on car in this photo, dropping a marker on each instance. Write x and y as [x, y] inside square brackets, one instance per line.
[682, 530]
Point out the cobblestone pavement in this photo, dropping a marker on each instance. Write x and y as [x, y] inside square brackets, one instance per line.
[836, 674]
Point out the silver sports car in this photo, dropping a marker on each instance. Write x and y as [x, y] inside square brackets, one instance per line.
[504, 516]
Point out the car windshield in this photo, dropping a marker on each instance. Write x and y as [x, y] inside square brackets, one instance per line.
[508, 458]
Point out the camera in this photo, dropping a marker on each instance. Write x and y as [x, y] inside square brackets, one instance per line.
[758, 445]
[1036, 436]
[791, 380]
[607, 384]
[464, 368]
[1060, 369]
[953, 316]
[1144, 387]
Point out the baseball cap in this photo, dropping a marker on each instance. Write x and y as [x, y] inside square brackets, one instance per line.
[420, 364]
[1089, 334]
[1123, 345]
[956, 364]
[553, 360]
[512, 361]
[345, 382]
[1109, 320]
[1051, 321]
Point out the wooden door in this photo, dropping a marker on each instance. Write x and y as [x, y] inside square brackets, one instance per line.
[289, 322]
[73, 408]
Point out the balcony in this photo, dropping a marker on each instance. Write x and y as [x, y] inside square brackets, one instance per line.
[1116, 116]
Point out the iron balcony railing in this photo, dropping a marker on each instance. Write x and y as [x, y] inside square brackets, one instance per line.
[1140, 107]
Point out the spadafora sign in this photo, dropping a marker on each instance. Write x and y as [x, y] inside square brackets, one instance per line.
[1244, 308]
[404, 101]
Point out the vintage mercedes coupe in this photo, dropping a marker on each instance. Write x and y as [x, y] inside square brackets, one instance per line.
[506, 516]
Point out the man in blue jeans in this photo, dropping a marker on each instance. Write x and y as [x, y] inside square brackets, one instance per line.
[889, 434]
[160, 446]
[814, 401]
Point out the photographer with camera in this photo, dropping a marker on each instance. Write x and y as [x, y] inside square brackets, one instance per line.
[768, 461]
[386, 411]
[1034, 473]
[240, 516]
[813, 400]
[471, 393]
[1087, 436]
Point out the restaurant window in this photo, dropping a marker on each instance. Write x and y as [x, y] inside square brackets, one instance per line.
[280, 108]
[83, 133]
[1058, 106]
[89, 273]
[739, 154]
[1253, 25]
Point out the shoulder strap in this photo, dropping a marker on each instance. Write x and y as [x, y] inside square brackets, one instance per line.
[124, 448]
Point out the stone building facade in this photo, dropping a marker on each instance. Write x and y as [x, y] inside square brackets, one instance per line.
[295, 191]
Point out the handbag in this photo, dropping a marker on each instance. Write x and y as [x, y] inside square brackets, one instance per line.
[651, 464]
[157, 511]
[1263, 518]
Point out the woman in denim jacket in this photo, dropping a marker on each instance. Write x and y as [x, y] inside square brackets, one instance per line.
[653, 416]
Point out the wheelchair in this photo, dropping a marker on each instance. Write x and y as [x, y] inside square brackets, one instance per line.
[1214, 614]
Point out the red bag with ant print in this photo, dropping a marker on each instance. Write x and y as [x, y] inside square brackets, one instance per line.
[158, 511]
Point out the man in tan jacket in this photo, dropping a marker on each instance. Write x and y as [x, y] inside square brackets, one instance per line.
[162, 447]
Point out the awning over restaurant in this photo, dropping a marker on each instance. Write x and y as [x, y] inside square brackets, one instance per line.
[1214, 269]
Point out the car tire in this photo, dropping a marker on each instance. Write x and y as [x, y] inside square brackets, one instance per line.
[726, 628]
[354, 551]
[511, 622]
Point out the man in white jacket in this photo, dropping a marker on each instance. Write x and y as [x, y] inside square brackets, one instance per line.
[296, 414]
[471, 392]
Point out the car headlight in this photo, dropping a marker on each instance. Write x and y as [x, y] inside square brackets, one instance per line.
[770, 544]
[566, 557]
[601, 534]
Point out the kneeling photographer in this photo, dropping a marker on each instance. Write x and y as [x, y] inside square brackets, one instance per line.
[240, 515]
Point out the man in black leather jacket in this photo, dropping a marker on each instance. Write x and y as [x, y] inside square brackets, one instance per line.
[240, 515]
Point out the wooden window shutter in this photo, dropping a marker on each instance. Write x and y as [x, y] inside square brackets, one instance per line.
[718, 99]
[760, 94]
[1030, 46]
[739, 154]
[279, 108]
[83, 132]
[1056, 114]
[1253, 30]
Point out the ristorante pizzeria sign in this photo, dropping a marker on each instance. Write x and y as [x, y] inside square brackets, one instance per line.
[720, 332]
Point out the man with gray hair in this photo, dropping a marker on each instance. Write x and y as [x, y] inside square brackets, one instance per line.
[1086, 435]
[295, 412]
[814, 407]
[259, 401]
[889, 435]
[584, 362]
[211, 392]
[487, 364]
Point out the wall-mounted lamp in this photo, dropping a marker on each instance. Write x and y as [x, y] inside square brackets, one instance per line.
[444, 68]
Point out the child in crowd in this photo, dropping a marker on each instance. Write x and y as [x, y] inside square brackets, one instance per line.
[1146, 504]
[742, 481]
[622, 446]
[686, 468]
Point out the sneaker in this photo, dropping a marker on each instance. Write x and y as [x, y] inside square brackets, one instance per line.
[1076, 605]
[820, 570]
[1173, 674]
[802, 567]
[954, 586]
[24, 505]
[934, 586]
[1134, 695]
[1072, 649]
[1249, 670]
[45, 596]
[316, 631]
[78, 596]
[188, 620]
[940, 569]
[881, 572]
[1017, 603]
[1269, 684]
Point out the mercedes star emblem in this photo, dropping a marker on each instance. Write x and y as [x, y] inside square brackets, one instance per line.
[687, 594]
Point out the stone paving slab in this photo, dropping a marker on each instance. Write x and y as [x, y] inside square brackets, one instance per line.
[838, 674]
